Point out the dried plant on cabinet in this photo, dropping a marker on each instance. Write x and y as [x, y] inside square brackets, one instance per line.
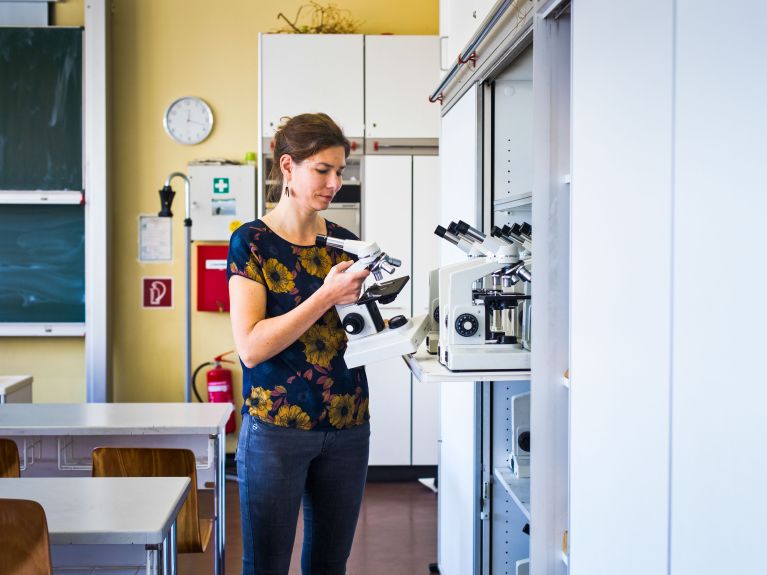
[323, 19]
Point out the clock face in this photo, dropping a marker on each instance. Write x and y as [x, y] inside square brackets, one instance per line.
[188, 120]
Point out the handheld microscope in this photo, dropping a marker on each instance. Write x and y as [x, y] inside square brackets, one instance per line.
[370, 339]
[479, 304]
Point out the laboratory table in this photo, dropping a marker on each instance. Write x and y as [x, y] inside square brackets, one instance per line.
[57, 440]
[107, 521]
[15, 389]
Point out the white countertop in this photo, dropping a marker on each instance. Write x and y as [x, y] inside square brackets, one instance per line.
[10, 383]
[112, 418]
[103, 510]
[427, 369]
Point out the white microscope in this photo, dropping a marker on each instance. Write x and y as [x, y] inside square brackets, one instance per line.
[370, 338]
[472, 249]
[479, 305]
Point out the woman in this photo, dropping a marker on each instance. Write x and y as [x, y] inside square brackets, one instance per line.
[305, 431]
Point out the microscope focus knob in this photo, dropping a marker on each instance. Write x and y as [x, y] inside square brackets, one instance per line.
[397, 321]
[466, 325]
[353, 323]
[435, 315]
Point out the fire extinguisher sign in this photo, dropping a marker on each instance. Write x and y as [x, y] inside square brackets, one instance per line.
[157, 293]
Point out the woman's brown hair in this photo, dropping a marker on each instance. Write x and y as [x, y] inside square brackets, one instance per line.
[301, 137]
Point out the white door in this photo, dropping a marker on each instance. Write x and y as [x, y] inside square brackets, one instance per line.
[400, 72]
[312, 73]
[387, 216]
[425, 258]
[458, 200]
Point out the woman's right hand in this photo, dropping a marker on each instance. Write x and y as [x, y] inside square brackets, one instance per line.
[343, 287]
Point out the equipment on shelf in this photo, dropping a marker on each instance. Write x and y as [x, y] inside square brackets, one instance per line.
[370, 339]
[519, 458]
[482, 309]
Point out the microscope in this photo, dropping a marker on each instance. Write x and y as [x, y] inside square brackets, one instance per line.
[480, 303]
[370, 339]
[472, 249]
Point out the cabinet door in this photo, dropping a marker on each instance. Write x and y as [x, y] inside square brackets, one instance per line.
[425, 258]
[459, 165]
[457, 426]
[386, 207]
[400, 72]
[312, 73]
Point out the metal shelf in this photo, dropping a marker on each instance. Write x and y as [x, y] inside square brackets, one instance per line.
[513, 202]
[427, 369]
[518, 489]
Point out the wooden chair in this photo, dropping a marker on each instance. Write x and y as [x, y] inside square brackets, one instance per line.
[192, 532]
[24, 534]
[9, 459]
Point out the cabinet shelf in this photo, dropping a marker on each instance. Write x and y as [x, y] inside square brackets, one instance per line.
[513, 202]
[427, 369]
[518, 489]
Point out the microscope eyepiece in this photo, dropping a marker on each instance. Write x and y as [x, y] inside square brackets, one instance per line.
[321, 241]
[470, 231]
[440, 231]
[496, 232]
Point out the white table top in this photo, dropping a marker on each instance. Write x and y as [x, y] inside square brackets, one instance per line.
[10, 383]
[103, 510]
[112, 418]
[427, 369]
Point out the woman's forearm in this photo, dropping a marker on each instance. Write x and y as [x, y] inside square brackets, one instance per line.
[269, 336]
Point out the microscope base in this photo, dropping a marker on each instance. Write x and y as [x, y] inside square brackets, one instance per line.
[387, 343]
[490, 356]
[432, 342]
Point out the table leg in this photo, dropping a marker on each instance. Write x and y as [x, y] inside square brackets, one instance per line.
[155, 559]
[219, 444]
[172, 553]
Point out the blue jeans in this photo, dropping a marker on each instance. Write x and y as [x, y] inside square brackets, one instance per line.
[277, 467]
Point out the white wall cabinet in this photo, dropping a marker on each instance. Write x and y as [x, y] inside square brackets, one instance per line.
[426, 212]
[312, 73]
[400, 73]
[403, 414]
[459, 21]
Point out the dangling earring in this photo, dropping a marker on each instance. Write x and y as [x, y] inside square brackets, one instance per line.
[287, 190]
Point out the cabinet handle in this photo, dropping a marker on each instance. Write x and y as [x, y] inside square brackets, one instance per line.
[442, 53]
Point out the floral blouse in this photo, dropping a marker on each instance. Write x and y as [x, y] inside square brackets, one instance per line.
[307, 385]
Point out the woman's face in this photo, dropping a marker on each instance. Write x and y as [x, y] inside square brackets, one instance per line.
[314, 182]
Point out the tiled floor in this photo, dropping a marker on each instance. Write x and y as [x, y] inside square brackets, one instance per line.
[396, 534]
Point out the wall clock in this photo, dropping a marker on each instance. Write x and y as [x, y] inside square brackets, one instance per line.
[188, 120]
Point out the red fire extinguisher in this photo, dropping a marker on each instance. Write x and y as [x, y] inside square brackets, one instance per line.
[219, 380]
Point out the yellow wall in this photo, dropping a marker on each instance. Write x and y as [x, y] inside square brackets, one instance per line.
[160, 50]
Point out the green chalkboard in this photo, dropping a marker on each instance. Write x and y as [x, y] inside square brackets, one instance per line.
[42, 263]
[41, 109]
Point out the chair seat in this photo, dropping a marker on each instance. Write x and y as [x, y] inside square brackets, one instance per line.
[24, 535]
[192, 532]
[9, 459]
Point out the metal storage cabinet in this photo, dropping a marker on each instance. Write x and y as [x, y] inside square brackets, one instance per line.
[312, 73]
[399, 73]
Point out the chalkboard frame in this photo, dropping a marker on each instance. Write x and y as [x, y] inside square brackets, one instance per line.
[41, 192]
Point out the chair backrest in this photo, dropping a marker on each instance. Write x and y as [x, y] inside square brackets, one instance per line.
[24, 535]
[9, 459]
[159, 462]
